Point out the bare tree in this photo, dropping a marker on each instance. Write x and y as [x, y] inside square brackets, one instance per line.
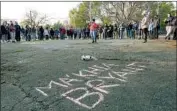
[34, 18]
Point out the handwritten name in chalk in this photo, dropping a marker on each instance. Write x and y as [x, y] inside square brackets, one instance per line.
[95, 80]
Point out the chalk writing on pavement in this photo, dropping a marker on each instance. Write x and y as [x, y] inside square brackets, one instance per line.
[95, 80]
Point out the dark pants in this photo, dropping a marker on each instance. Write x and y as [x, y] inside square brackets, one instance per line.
[62, 36]
[46, 37]
[121, 32]
[17, 36]
[75, 35]
[88, 34]
[52, 36]
[105, 35]
[145, 31]
[41, 36]
[175, 34]
[79, 35]
[156, 33]
[71, 35]
[151, 35]
[130, 33]
[9, 37]
[28, 37]
[140, 33]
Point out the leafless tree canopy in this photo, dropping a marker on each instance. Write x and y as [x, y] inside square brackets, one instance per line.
[34, 18]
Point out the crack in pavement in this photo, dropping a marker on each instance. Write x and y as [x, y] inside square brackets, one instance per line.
[28, 95]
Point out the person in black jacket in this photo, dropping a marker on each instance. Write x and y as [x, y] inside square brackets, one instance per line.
[105, 33]
[17, 32]
[4, 32]
[130, 30]
[52, 33]
[111, 31]
[41, 31]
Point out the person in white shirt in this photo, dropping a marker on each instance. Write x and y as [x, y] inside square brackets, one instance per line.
[144, 24]
[46, 33]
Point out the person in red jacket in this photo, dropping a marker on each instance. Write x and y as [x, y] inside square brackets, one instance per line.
[93, 31]
[62, 32]
[12, 31]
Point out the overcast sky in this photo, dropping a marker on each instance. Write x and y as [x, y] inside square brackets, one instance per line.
[56, 10]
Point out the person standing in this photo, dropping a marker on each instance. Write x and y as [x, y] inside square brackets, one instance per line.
[156, 27]
[75, 33]
[134, 25]
[174, 23]
[84, 32]
[23, 33]
[12, 31]
[56, 34]
[110, 31]
[100, 32]
[93, 31]
[8, 33]
[144, 24]
[17, 32]
[62, 33]
[140, 33]
[121, 31]
[115, 32]
[151, 26]
[130, 30]
[105, 31]
[169, 27]
[41, 30]
[79, 33]
[52, 33]
[28, 33]
[33, 33]
[4, 32]
[71, 31]
[46, 33]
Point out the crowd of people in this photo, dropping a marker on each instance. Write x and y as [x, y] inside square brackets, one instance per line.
[13, 32]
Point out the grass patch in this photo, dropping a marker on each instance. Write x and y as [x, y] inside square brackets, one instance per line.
[19, 51]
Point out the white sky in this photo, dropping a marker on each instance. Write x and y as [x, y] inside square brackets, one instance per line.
[56, 10]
